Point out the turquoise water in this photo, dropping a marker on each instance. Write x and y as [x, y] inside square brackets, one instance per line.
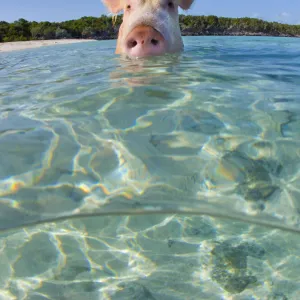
[175, 177]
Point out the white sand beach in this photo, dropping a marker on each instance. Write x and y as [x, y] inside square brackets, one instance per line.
[13, 46]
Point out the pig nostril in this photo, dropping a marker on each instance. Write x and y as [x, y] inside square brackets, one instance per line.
[131, 44]
[154, 42]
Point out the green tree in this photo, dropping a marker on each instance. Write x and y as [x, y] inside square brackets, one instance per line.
[103, 28]
[4, 26]
[49, 33]
[62, 33]
[89, 33]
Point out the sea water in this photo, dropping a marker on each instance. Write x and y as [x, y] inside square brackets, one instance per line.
[175, 177]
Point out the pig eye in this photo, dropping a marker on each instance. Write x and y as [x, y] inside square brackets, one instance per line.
[170, 4]
[128, 6]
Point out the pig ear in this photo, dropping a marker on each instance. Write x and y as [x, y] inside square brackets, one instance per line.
[114, 6]
[185, 4]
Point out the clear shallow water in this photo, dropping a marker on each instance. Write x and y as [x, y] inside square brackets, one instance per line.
[213, 131]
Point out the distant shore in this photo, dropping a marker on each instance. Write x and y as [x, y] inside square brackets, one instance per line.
[23, 45]
[15, 46]
[106, 28]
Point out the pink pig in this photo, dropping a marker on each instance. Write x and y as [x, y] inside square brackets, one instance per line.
[150, 27]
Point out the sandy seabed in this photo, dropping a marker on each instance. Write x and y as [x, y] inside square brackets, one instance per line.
[13, 46]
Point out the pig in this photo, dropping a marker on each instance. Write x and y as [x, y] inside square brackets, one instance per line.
[149, 27]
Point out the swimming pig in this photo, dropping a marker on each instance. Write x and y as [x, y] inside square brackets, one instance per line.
[150, 27]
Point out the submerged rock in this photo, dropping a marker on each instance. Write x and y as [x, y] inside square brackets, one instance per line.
[278, 296]
[236, 284]
[230, 265]
[232, 283]
[248, 177]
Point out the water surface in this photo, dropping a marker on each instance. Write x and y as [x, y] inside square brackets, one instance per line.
[209, 137]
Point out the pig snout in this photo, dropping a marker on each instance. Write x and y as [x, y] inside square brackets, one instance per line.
[145, 41]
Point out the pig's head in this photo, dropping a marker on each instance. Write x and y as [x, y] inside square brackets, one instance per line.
[150, 27]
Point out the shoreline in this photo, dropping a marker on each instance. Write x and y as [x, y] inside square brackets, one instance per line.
[23, 45]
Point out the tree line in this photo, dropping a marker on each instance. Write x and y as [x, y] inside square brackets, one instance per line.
[104, 28]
